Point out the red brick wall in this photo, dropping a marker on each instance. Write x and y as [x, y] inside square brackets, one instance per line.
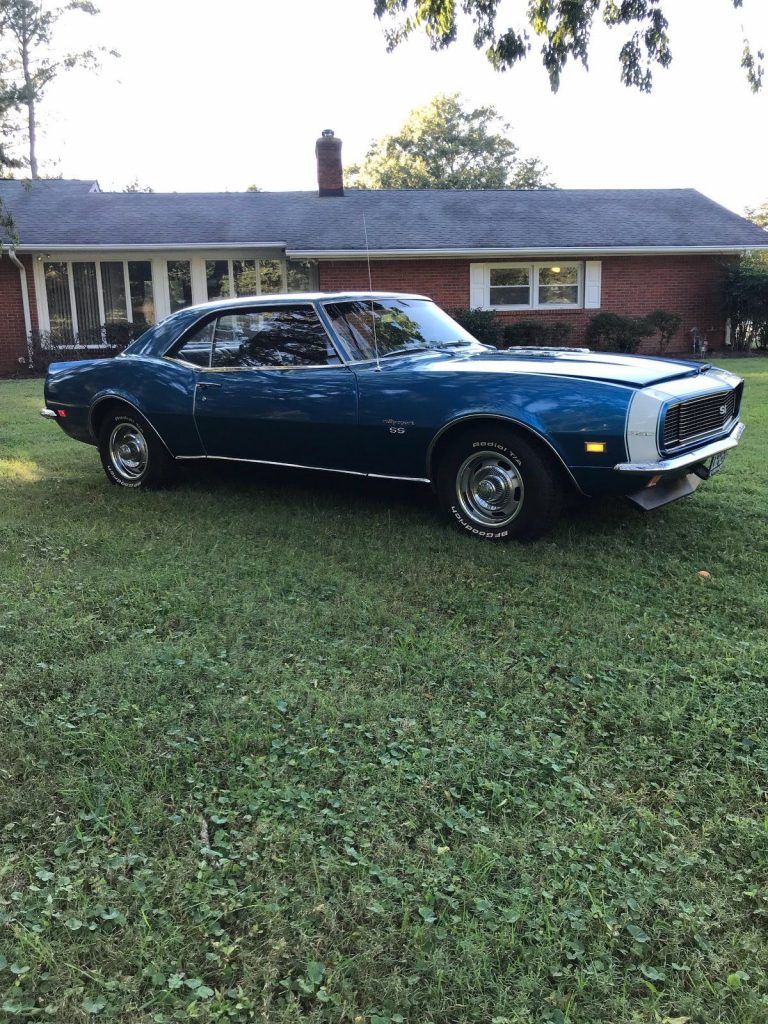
[631, 285]
[13, 335]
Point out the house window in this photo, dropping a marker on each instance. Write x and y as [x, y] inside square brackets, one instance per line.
[86, 303]
[246, 275]
[84, 295]
[217, 278]
[142, 295]
[301, 275]
[113, 289]
[527, 285]
[509, 286]
[257, 277]
[271, 277]
[179, 284]
[558, 285]
[78, 299]
[58, 297]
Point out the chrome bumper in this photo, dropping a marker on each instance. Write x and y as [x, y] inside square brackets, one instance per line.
[49, 414]
[679, 462]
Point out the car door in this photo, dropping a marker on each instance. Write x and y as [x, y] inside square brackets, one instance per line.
[276, 390]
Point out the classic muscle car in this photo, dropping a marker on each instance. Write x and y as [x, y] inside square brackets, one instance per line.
[388, 385]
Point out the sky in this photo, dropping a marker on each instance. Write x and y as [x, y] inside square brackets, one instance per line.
[197, 103]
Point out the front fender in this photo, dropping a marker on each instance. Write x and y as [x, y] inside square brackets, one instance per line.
[402, 412]
[478, 415]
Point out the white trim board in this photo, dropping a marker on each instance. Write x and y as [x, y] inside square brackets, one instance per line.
[549, 252]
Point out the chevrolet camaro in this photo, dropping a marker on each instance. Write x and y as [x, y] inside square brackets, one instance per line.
[388, 385]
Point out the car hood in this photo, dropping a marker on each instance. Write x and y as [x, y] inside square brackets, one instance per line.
[632, 371]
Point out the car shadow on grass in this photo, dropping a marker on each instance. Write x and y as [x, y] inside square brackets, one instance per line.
[371, 496]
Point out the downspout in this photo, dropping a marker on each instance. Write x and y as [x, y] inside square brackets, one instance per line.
[24, 301]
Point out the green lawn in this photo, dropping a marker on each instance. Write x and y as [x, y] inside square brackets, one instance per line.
[284, 748]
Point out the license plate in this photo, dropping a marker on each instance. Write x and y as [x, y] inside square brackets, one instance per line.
[717, 463]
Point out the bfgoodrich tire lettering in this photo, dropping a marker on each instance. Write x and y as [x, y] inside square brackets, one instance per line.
[131, 453]
[496, 484]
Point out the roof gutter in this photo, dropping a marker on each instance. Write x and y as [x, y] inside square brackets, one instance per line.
[548, 251]
[24, 301]
[159, 247]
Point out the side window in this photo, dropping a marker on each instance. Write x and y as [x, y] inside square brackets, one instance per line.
[289, 336]
[197, 348]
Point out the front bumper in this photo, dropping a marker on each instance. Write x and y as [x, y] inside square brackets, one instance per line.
[680, 462]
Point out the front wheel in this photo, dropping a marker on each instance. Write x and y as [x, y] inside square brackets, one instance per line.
[495, 484]
[131, 453]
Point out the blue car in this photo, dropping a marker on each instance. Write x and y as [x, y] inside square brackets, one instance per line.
[389, 386]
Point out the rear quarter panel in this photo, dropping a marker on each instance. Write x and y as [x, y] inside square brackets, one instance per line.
[161, 389]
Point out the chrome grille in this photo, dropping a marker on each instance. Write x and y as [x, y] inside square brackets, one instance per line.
[696, 418]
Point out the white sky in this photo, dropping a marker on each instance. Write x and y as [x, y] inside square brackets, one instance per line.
[204, 102]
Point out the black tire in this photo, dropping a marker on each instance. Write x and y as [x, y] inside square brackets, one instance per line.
[144, 462]
[495, 484]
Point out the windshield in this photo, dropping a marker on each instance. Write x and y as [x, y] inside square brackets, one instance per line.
[401, 325]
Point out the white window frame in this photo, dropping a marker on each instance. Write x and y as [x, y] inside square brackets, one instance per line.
[231, 273]
[258, 260]
[160, 289]
[533, 278]
[43, 316]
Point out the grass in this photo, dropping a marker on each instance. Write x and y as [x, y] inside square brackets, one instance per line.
[281, 748]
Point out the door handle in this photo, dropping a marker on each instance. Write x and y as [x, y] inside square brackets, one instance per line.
[207, 384]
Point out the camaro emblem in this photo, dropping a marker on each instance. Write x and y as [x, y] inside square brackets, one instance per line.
[723, 410]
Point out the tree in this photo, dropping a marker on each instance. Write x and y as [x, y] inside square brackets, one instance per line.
[135, 186]
[27, 27]
[746, 302]
[254, 188]
[9, 108]
[759, 215]
[443, 145]
[564, 28]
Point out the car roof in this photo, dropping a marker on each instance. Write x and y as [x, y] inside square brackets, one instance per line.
[259, 300]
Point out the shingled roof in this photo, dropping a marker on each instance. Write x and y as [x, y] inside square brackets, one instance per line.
[63, 214]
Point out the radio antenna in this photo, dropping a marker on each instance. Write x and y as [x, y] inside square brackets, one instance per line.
[370, 289]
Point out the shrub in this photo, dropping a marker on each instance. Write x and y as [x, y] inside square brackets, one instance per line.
[535, 333]
[525, 332]
[746, 302]
[121, 333]
[484, 325]
[481, 324]
[617, 333]
[665, 324]
[560, 332]
[46, 347]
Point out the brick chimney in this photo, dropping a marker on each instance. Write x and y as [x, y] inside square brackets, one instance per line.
[328, 153]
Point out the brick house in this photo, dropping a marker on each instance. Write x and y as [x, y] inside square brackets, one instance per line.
[84, 258]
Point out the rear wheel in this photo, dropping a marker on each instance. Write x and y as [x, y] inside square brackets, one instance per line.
[131, 452]
[496, 484]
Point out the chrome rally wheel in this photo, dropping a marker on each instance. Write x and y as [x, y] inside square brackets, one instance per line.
[131, 451]
[495, 483]
[490, 489]
[128, 452]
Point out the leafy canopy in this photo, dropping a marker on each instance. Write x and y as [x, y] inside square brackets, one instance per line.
[29, 58]
[759, 215]
[562, 26]
[134, 185]
[444, 145]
